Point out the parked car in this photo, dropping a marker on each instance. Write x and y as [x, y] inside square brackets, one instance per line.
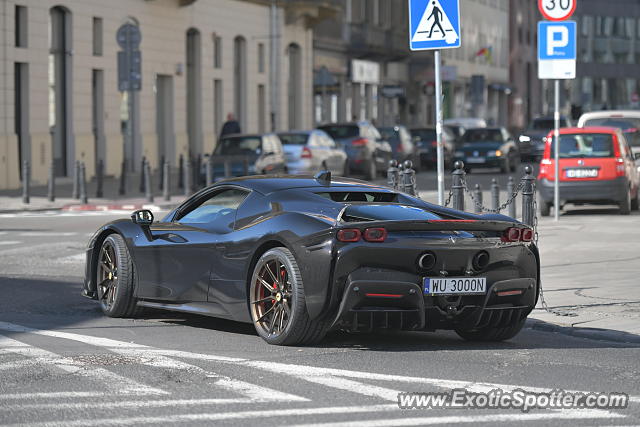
[250, 154]
[425, 140]
[297, 257]
[627, 121]
[367, 152]
[596, 167]
[466, 122]
[532, 141]
[488, 148]
[402, 145]
[308, 152]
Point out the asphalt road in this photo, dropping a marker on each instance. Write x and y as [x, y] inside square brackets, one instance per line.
[63, 363]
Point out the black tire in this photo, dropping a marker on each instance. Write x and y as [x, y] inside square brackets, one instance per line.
[492, 333]
[625, 204]
[286, 298]
[545, 208]
[514, 164]
[635, 203]
[505, 166]
[345, 170]
[372, 171]
[116, 279]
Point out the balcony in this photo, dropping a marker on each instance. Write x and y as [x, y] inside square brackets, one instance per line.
[370, 41]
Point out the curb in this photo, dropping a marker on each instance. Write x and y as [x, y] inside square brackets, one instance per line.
[598, 334]
[109, 207]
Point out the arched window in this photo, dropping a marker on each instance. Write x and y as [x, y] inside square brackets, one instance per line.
[295, 86]
[194, 91]
[240, 80]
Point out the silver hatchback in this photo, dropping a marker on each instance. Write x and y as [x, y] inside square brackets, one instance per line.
[308, 152]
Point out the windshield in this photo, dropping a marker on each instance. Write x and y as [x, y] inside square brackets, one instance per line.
[630, 126]
[425, 134]
[585, 145]
[239, 145]
[341, 131]
[294, 138]
[355, 213]
[482, 135]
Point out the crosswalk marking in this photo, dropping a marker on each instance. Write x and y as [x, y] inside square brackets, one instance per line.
[114, 382]
[9, 242]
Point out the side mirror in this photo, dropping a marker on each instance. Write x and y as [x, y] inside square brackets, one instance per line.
[144, 218]
[637, 156]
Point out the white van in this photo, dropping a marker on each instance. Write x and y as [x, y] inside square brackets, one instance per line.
[626, 120]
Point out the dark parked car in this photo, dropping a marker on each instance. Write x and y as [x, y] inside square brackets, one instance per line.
[298, 256]
[532, 141]
[596, 167]
[402, 145]
[368, 153]
[425, 139]
[248, 155]
[488, 148]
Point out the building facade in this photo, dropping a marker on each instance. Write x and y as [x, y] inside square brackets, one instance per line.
[60, 99]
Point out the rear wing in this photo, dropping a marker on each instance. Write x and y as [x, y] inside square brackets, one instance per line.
[436, 225]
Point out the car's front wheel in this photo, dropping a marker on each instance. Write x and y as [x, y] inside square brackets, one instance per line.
[277, 301]
[115, 278]
[492, 333]
[625, 204]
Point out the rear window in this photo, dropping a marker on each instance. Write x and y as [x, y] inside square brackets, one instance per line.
[342, 131]
[630, 127]
[425, 134]
[239, 145]
[360, 196]
[357, 213]
[293, 138]
[482, 135]
[585, 145]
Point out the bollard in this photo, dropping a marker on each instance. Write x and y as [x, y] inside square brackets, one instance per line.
[457, 186]
[227, 168]
[477, 194]
[512, 205]
[245, 166]
[83, 184]
[495, 195]
[148, 193]
[123, 179]
[144, 162]
[209, 172]
[181, 171]
[393, 175]
[25, 182]
[100, 179]
[187, 178]
[76, 180]
[528, 196]
[166, 181]
[161, 170]
[409, 179]
[197, 175]
[51, 184]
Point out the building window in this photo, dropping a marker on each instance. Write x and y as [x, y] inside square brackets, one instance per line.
[217, 52]
[97, 36]
[21, 26]
[217, 106]
[261, 57]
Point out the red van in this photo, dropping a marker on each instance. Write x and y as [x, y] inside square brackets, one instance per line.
[596, 167]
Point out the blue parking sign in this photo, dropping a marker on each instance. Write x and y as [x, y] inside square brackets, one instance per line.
[434, 24]
[556, 40]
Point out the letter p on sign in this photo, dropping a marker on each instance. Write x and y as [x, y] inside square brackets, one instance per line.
[557, 37]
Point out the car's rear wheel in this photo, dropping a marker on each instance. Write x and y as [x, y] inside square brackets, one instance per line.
[635, 203]
[115, 278]
[492, 333]
[625, 204]
[277, 301]
[545, 208]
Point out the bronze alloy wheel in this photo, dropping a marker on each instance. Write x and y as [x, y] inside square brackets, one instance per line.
[107, 276]
[271, 296]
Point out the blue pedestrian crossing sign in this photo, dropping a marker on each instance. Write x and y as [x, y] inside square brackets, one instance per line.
[434, 24]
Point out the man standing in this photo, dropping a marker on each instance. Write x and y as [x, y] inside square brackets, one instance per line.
[230, 126]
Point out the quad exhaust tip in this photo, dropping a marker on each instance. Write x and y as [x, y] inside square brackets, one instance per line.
[427, 261]
[480, 261]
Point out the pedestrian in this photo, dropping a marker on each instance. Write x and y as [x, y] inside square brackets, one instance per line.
[231, 126]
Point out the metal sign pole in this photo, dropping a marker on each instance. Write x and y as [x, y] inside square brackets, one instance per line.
[556, 137]
[439, 128]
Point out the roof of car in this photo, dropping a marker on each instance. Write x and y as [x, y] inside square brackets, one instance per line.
[266, 184]
[300, 132]
[244, 135]
[589, 129]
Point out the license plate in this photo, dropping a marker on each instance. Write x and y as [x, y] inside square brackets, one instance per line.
[455, 285]
[581, 173]
[475, 159]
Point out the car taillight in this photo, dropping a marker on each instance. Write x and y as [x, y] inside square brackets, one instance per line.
[434, 143]
[349, 235]
[375, 234]
[544, 169]
[400, 149]
[515, 234]
[359, 142]
[620, 167]
[306, 153]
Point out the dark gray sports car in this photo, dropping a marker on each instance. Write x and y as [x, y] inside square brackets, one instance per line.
[297, 256]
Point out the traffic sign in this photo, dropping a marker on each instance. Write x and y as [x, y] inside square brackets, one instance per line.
[128, 36]
[557, 10]
[434, 24]
[557, 50]
[129, 71]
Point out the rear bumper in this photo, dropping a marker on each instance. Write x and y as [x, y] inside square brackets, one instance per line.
[601, 191]
[489, 162]
[302, 167]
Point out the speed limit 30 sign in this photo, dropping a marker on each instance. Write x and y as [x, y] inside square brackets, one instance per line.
[557, 10]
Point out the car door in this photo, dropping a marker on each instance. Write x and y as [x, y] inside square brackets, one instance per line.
[631, 171]
[175, 265]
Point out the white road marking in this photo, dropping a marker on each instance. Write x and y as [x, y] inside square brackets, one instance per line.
[114, 382]
[73, 258]
[53, 395]
[128, 404]
[571, 414]
[2, 233]
[10, 242]
[47, 234]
